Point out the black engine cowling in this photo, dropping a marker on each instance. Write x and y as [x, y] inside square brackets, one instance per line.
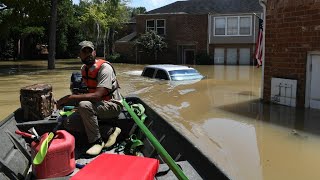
[77, 86]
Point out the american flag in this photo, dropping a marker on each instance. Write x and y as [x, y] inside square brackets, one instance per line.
[259, 44]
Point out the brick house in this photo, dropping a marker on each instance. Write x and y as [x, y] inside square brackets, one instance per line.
[292, 51]
[225, 30]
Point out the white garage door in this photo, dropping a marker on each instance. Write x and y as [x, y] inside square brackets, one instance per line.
[232, 56]
[244, 54]
[219, 56]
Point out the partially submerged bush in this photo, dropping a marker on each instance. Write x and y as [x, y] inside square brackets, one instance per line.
[203, 59]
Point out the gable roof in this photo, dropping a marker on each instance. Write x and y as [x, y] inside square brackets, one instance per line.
[210, 6]
[127, 38]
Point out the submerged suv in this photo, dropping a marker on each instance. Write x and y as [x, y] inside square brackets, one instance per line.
[171, 72]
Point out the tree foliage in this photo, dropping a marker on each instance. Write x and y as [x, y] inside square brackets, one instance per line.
[66, 23]
[101, 18]
[151, 43]
[6, 49]
[25, 23]
[137, 10]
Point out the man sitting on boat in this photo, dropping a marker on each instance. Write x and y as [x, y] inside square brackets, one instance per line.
[102, 100]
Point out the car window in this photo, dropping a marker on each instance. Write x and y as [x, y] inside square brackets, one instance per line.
[184, 72]
[162, 75]
[148, 72]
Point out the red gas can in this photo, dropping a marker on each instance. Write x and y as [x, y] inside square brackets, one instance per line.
[59, 160]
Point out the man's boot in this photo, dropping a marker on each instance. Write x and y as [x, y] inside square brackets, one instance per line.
[112, 138]
[96, 148]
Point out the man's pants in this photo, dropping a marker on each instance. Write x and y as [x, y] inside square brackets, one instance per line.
[85, 119]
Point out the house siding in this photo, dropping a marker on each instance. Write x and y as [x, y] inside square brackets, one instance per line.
[234, 39]
[292, 30]
[125, 30]
[237, 42]
[181, 29]
[127, 51]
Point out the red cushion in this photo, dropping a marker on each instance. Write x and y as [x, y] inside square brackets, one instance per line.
[119, 167]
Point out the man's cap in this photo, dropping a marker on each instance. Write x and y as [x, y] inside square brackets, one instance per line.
[88, 44]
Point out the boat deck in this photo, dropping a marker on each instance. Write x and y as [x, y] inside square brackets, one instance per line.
[15, 158]
[164, 173]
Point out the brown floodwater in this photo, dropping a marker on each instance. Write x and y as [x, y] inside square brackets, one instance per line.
[221, 114]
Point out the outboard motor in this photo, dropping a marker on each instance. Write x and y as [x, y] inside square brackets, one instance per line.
[77, 86]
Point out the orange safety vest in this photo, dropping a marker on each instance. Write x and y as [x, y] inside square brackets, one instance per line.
[90, 77]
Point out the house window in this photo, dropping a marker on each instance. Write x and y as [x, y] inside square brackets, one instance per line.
[161, 26]
[220, 26]
[233, 26]
[150, 25]
[245, 25]
[158, 25]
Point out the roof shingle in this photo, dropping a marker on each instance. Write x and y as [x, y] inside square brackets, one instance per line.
[210, 6]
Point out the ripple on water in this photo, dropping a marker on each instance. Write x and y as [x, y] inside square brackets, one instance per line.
[135, 73]
[185, 91]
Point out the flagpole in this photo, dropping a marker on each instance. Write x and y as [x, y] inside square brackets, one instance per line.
[262, 3]
[259, 50]
[256, 15]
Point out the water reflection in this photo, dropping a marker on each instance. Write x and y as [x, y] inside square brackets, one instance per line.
[239, 147]
[298, 120]
[221, 114]
[17, 69]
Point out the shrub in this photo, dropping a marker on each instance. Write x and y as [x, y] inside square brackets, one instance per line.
[117, 58]
[203, 59]
[7, 49]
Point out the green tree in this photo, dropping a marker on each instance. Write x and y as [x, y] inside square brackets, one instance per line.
[27, 23]
[100, 20]
[67, 22]
[137, 10]
[67, 34]
[117, 17]
[23, 20]
[6, 44]
[151, 43]
[6, 49]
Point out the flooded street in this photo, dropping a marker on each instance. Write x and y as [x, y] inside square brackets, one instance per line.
[221, 114]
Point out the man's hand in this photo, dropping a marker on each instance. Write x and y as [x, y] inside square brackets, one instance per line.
[93, 97]
[62, 101]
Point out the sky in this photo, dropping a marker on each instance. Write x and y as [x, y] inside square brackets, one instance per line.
[148, 4]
